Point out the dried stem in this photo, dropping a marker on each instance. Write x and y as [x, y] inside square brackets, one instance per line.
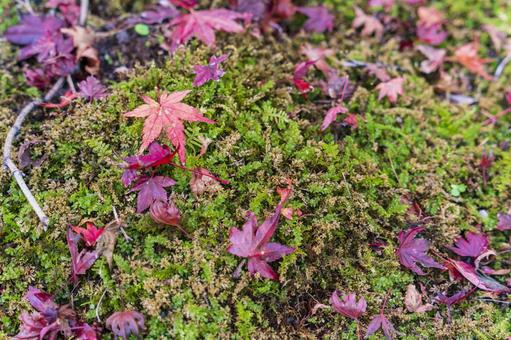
[99, 304]
[16, 127]
[11, 135]
[84, 9]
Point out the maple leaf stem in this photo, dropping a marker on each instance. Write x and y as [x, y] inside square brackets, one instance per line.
[11, 136]
[223, 181]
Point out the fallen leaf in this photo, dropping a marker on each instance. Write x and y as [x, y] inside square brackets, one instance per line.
[123, 324]
[90, 233]
[370, 25]
[167, 113]
[209, 72]
[467, 56]
[151, 189]
[391, 89]
[477, 279]
[348, 305]
[413, 301]
[331, 116]
[165, 213]
[412, 251]
[319, 19]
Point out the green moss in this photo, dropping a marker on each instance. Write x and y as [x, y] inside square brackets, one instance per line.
[349, 185]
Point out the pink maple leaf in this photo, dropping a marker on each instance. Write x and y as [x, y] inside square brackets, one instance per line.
[371, 25]
[413, 250]
[125, 323]
[319, 54]
[151, 189]
[167, 114]
[165, 213]
[301, 70]
[331, 116]
[319, 19]
[80, 262]
[472, 245]
[431, 34]
[435, 58]
[202, 25]
[253, 242]
[348, 306]
[205, 73]
[391, 89]
[90, 233]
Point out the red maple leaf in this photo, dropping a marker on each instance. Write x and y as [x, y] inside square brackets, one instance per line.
[90, 234]
[167, 113]
[413, 250]
[331, 116]
[253, 242]
[467, 56]
[300, 72]
[82, 261]
[458, 269]
[203, 24]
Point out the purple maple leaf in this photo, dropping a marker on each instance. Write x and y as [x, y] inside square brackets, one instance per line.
[51, 320]
[252, 242]
[151, 189]
[257, 8]
[157, 15]
[91, 88]
[205, 73]
[31, 28]
[80, 262]
[380, 321]
[157, 155]
[453, 299]
[319, 19]
[37, 78]
[348, 306]
[413, 250]
[472, 245]
[504, 221]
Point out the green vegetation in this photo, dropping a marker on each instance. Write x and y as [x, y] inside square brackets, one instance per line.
[347, 183]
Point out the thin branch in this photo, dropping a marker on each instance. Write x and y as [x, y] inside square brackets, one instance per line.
[502, 65]
[99, 304]
[11, 135]
[84, 9]
[70, 83]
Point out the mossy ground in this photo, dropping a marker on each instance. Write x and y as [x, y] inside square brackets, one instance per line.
[348, 183]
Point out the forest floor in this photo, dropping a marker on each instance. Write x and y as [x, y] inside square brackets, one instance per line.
[414, 162]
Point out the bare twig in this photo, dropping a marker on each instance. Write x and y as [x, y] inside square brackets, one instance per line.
[99, 304]
[11, 135]
[502, 65]
[84, 9]
[70, 83]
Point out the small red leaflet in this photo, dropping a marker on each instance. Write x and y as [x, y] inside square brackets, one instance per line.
[90, 233]
[80, 262]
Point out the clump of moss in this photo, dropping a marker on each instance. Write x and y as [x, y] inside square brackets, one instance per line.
[349, 185]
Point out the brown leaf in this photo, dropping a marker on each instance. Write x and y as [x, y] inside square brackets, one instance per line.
[83, 39]
[24, 158]
[413, 301]
[106, 244]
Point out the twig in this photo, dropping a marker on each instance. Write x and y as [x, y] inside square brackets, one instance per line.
[70, 83]
[502, 65]
[99, 304]
[84, 9]
[11, 135]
